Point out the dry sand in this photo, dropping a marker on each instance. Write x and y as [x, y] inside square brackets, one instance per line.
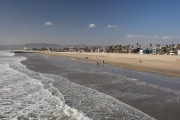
[162, 64]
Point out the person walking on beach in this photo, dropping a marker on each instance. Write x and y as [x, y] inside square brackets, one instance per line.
[103, 63]
[97, 65]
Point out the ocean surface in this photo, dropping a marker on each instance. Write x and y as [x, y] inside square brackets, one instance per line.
[29, 95]
[43, 87]
[25, 94]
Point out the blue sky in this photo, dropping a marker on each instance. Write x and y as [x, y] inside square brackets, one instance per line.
[90, 22]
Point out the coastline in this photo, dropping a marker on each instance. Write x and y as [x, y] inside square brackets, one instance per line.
[154, 94]
[161, 64]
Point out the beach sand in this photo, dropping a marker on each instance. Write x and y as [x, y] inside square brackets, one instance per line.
[162, 64]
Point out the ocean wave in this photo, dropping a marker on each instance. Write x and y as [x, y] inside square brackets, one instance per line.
[5, 53]
[24, 97]
[31, 95]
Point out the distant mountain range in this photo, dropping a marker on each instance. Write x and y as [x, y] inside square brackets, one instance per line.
[36, 45]
[29, 45]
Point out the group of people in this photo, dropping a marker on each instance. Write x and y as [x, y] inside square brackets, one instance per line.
[98, 64]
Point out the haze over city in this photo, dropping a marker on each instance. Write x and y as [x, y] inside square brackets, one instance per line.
[90, 22]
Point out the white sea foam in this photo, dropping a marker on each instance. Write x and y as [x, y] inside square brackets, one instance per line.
[101, 106]
[4, 53]
[24, 96]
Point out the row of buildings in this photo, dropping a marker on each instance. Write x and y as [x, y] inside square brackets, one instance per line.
[168, 49]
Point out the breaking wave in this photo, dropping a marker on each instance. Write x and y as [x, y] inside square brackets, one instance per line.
[29, 95]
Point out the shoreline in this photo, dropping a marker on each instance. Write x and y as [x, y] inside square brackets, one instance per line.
[161, 64]
[142, 95]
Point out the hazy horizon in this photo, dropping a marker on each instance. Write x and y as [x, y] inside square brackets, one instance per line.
[90, 22]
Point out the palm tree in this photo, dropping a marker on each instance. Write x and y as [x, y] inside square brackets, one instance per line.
[127, 48]
[170, 47]
[110, 49]
[124, 48]
[166, 46]
[117, 48]
[132, 47]
[167, 49]
[137, 44]
[51, 49]
[85, 48]
[94, 48]
[150, 45]
[157, 45]
[120, 48]
[173, 46]
[178, 46]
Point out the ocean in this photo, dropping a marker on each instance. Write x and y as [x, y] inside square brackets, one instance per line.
[43, 87]
[25, 94]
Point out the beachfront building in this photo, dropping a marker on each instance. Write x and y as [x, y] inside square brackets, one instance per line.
[117, 49]
[25, 48]
[163, 50]
[154, 50]
[178, 52]
[71, 49]
[172, 49]
[178, 49]
[172, 52]
[141, 52]
[158, 50]
[148, 51]
[168, 49]
[110, 49]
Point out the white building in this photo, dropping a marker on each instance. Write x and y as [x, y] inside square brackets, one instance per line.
[141, 52]
[25, 48]
[178, 52]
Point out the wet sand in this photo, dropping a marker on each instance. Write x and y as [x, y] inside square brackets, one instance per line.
[160, 102]
[161, 64]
